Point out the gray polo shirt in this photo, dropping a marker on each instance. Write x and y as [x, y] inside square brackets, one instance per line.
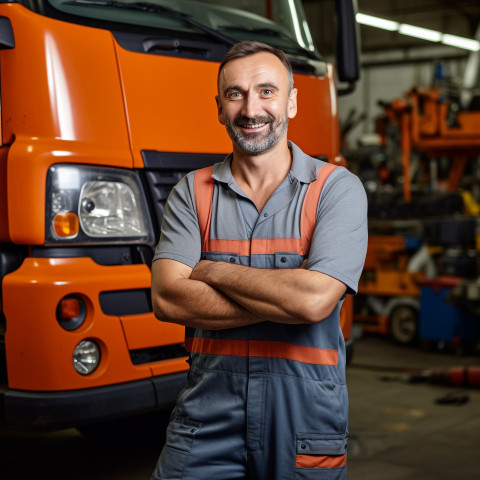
[339, 242]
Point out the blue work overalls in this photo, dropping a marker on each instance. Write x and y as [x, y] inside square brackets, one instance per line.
[267, 401]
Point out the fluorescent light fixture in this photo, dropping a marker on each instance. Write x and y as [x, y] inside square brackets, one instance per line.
[308, 34]
[461, 42]
[296, 23]
[418, 32]
[377, 22]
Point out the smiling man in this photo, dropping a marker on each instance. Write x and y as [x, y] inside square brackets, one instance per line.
[252, 131]
[255, 258]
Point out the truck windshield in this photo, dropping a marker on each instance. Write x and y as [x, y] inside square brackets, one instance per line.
[279, 22]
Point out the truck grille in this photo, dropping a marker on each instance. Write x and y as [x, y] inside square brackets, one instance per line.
[163, 170]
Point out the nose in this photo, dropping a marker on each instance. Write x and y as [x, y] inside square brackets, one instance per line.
[251, 106]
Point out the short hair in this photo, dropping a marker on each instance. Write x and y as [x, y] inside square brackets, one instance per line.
[250, 47]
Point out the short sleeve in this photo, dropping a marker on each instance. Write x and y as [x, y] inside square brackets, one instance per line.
[340, 238]
[180, 237]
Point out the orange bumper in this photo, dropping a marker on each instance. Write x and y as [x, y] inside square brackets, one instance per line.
[39, 351]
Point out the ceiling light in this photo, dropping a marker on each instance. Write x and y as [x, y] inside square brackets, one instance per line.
[418, 32]
[377, 22]
[461, 42]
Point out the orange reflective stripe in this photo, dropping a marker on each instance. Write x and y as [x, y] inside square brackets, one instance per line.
[242, 247]
[310, 203]
[203, 193]
[258, 246]
[214, 346]
[269, 246]
[320, 461]
[262, 348]
[289, 351]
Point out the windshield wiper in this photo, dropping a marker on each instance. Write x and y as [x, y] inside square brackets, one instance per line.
[150, 7]
[265, 30]
[270, 31]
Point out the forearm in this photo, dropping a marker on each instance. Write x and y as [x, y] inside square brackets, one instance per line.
[193, 303]
[280, 295]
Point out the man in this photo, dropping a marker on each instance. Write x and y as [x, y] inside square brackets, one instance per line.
[259, 295]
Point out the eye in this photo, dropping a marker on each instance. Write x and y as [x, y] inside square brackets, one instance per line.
[267, 92]
[234, 95]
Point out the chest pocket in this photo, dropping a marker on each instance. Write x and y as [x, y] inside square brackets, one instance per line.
[288, 260]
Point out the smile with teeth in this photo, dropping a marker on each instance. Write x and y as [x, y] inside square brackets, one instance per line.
[252, 126]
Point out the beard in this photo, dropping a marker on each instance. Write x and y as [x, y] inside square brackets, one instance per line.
[256, 143]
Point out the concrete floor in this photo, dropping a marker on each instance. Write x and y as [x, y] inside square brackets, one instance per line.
[404, 431]
[398, 430]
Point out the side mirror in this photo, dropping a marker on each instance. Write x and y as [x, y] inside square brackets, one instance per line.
[348, 51]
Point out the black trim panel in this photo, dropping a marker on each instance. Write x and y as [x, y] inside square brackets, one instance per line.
[172, 44]
[11, 257]
[157, 354]
[126, 302]
[103, 255]
[48, 411]
[179, 161]
[7, 39]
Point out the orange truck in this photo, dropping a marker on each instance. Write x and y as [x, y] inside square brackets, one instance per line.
[105, 105]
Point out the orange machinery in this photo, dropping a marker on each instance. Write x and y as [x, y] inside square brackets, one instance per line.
[426, 126]
[388, 291]
[105, 106]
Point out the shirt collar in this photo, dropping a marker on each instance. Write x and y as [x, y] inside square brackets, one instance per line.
[304, 168]
[222, 171]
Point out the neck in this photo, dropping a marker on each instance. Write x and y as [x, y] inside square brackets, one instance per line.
[260, 175]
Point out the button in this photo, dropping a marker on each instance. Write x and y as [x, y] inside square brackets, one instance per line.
[265, 214]
[283, 259]
[192, 430]
[232, 260]
[303, 446]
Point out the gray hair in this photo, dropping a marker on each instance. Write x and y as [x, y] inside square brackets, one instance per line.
[249, 47]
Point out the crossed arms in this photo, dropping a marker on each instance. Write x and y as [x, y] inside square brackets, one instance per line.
[220, 295]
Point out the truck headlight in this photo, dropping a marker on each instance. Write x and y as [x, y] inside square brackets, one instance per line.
[95, 205]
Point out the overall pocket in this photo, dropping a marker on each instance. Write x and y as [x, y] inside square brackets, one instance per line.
[180, 435]
[320, 457]
[220, 257]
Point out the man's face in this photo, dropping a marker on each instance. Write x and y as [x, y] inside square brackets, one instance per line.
[254, 103]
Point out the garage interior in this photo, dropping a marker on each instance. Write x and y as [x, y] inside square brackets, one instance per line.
[404, 130]
[411, 132]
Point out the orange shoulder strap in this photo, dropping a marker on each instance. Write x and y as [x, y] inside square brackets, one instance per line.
[203, 193]
[310, 204]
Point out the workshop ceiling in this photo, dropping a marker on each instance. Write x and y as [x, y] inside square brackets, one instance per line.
[455, 17]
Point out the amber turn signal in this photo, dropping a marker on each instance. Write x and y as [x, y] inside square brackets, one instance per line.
[66, 224]
[71, 312]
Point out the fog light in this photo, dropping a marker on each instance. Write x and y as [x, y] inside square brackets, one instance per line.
[86, 357]
[71, 312]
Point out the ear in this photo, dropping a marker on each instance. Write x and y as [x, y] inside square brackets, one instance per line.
[219, 110]
[292, 103]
